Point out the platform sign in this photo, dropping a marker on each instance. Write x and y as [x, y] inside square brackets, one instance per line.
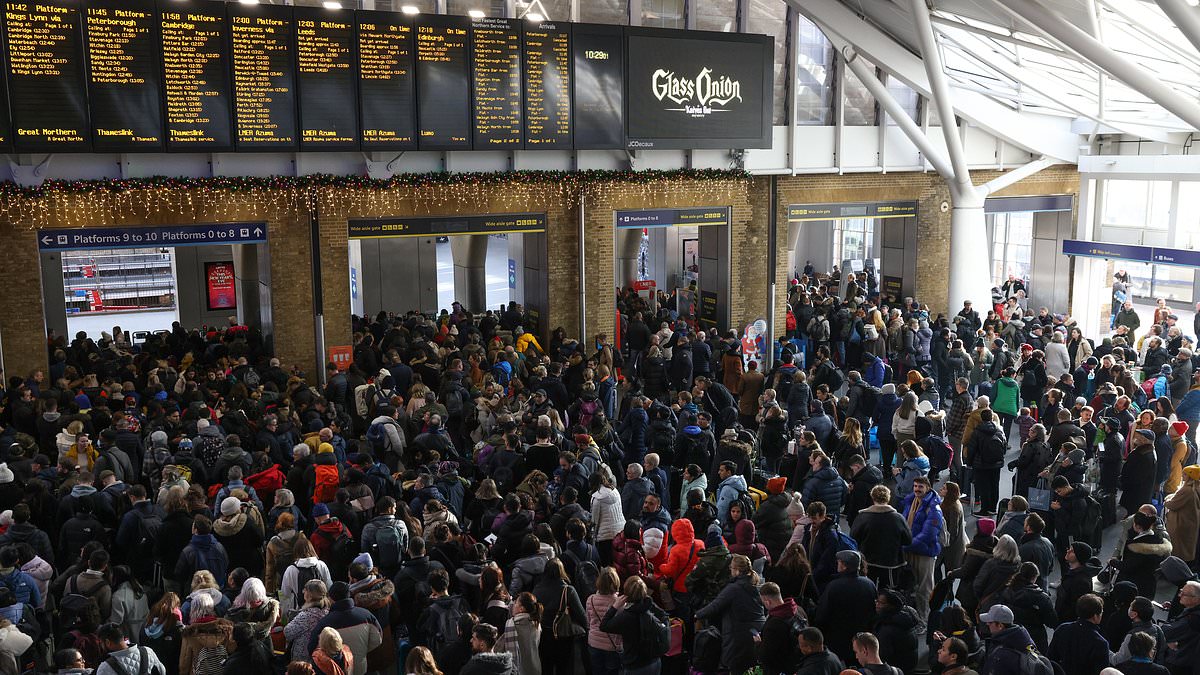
[1095, 249]
[1175, 256]
[701, 215]
[424, 226]
[88, 238]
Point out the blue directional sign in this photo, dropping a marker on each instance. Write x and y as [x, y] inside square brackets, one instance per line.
[512, 273]
[704, 215]
[143, 237]
[1144, 254]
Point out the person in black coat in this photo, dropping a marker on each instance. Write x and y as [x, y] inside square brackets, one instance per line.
[680, 370]
[1078, 646]
[771, 520]
[551, 590]
[881, 534]
[780, 651]
[815, 658]
[741, 615]
[1080, 569]
[1137, 476]
[896, 627]
[1031, 605]
[846, 606]
[625, 619]
[1145, 549]
[863, 477]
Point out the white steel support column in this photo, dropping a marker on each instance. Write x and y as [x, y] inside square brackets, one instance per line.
[1120, 67]
[960, 181]
[1185, 17]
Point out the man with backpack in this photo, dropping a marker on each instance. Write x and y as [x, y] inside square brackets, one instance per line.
[866, 651]
[439, 622]
[1011, 648]
[386, 438]
[123, 659]
[203, 552]
[332, 541]
[986, 451]
[323, 478]
[138, 531]
[385, 537]
[412, 583]
[781, 631]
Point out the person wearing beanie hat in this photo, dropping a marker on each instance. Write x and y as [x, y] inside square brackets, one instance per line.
[1176, 440]
[358, 627]
[1080, 567]
[241, 531]
[712, 568]
[323, 477]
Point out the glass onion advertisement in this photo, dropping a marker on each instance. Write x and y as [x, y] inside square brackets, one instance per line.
[222, 292]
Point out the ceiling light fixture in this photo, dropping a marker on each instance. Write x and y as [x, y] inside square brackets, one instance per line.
[476, 14]
[409, 9]
[535, 17]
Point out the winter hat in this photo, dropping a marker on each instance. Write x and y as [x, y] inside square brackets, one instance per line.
[365, 558]
[695, 497]
[230, 506]
[775, 485]
[1146, 434]
[1179, 428]
[1083, 551]
[583, 440]
[729, 433]
[691, 430]
[985, 526]
[888, 388]
[324, 448]
[1079, 400]
[795, 508]
[201, 424]
[997, 342]
[652, 542]
[6, 518]
[1076, 456]
[83, 402]
[924, 407]
[159, 439]
[185, 444]
[340, 590]
[1192, 472]
[1166, 369]
[319, 510]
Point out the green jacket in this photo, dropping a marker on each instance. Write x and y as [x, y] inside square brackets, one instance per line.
[1006, 397]
[709, 576]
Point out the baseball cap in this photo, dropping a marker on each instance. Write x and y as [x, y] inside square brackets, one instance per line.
[997, 614]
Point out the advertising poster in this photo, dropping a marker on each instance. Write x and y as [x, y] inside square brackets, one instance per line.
[222, 289]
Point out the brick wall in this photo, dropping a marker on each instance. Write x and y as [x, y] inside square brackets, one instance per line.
[22, 317]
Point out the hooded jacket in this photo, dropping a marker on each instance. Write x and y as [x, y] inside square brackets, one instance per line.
[358, 627]
[216, 634]
[242, 537]
[773, 524]
[927, 524]
[1075, 584]
[682, 556]
[202, 552]
[1006, 651]
[526, 572]
[607, 516]
[727, 493]
[827, 487]
[490, 663]
[1140, 560]
[897, 633]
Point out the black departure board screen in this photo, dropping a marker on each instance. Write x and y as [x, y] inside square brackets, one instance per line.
[443, 82]
[599, 113]
[325, 79]
[496, 82]
[264, 77]
[547, 86]
[385, 81]
[48, 98]
[196, 76]
[123, 75]
[5, 123]
[698, 90]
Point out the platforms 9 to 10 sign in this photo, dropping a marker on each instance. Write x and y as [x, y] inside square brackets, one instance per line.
[202, 76]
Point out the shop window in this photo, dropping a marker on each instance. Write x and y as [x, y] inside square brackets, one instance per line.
[604, 11]
[859, 108]
[1170, 282]
[814, 75]
[853, 239]
[1187, 220]
[1012, 246]
[662, 13]
[1137, 204]
[770, 18]
[717, 15]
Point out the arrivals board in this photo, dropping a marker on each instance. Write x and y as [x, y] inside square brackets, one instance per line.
[496, 82]
[124, 75]
[196, 89]
[262, 48]
[43, 50]
[386, 81]
[325, 78]
[547, 67]
[205, 76]
[443, 83]
[599, 103]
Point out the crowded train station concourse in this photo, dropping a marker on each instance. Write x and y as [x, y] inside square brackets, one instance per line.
[599, 337]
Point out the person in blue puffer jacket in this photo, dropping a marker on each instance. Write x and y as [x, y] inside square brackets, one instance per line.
[923, 513]
[732, 484]
[824, 484]
[885, 408]
[872, 370]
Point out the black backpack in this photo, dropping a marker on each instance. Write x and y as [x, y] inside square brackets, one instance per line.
[783, 384]
[148, 526]
[586, 573]
[655, 635]
[747, 503]
[867, 398]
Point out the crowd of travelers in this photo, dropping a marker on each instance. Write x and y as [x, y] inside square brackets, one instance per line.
[464, 499]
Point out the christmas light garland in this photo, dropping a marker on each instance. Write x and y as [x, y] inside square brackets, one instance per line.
[107, 202]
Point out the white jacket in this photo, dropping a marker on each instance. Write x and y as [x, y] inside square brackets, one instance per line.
[607, 517]
[1058, 360]
[131, 660]
[13, 641]
[292, 598]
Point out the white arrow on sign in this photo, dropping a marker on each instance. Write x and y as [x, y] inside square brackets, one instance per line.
[46, 240]
[258, 231]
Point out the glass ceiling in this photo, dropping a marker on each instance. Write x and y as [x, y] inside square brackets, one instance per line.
[1019, 67]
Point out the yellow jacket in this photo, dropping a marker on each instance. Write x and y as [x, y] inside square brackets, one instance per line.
[88, 460]
[525, 340]
[1180, 454]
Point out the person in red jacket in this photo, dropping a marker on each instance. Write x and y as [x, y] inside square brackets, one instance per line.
[682, 556]
[628, 556]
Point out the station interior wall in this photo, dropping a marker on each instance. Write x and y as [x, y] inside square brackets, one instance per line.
[292, 310]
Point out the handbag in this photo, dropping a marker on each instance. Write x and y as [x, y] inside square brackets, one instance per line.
[663, 595]
[564, 626]
[1040, 496]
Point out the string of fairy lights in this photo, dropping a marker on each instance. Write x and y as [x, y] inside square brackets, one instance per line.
[83, 203]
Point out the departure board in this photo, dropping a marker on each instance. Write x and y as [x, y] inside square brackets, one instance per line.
[325, 79]
[385, 81]
[264, 77]
[196, 76]
[5, 123]
[599, 86]
[123, 75]
[547, 69]
[44, 51]
[496, 82]
[443, 82]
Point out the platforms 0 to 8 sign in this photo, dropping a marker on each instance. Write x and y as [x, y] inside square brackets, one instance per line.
[138, 237]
